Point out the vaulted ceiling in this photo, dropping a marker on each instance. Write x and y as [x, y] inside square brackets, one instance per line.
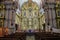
[39, 2]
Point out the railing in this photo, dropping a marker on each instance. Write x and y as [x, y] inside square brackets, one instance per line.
[38, 36]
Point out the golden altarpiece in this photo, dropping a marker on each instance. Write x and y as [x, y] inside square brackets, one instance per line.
[58, 14]
[2, 14]
[30, 16]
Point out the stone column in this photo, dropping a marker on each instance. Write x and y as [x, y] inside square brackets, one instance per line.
[10, 16]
